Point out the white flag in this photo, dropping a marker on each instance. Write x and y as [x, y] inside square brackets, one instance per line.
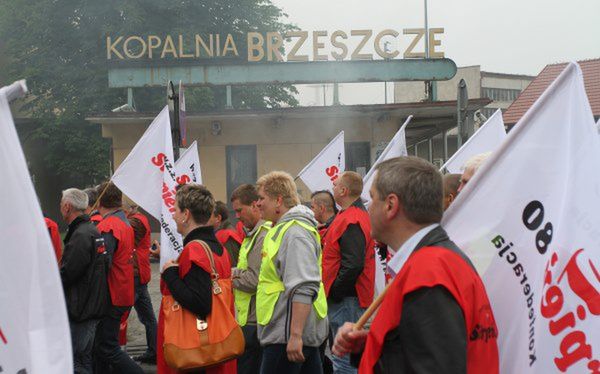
[188, 166]
[320, 173]
[34, 328]
[530, 216]
[486, 139]
[395, 148]
[148, 177]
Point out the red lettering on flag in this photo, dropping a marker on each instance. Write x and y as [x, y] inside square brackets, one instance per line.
[574, 345]
[159, 160]
[3, 337]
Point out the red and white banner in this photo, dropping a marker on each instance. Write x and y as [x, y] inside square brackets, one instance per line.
[188, 171]
[188, 166]
[34, 327]
[489, 136]
[149, 178]
[395, 148]
[530, 220]
[320, 173]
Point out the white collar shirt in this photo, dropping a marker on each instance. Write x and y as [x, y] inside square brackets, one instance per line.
[401, 255]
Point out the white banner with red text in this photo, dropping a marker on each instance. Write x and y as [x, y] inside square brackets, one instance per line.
[529, 219]
[148, 177]
[187, 169]
[320, 173]
[34, 327]
[188, 166]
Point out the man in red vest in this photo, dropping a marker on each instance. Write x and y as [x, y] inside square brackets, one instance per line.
[225, 232]
[119, 241]
[323, 206]
[435, 316]
[142, 273]
[348, 260]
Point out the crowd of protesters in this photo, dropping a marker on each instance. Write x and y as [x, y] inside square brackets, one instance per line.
[302, 275]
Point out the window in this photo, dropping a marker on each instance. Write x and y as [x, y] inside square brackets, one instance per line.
[358, 157]
[241, 166]
[487, 112]
[500, 94]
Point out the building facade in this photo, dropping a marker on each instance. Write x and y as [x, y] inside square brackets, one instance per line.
[238, 146]
[501, 88]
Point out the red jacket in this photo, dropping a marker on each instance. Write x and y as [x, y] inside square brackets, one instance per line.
[240, 229]
[96, 218]
[55, 237]
[365, 284]
[120, 277]
[143, 250]
[430, 267]
[224, 235]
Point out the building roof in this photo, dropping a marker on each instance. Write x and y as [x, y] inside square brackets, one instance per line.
[429, 118]
[591, 77]
[506, 75]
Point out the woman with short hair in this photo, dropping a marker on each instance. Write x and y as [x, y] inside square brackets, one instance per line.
[189, 278]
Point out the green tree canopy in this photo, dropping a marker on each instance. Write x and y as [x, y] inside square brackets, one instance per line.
[59, 47]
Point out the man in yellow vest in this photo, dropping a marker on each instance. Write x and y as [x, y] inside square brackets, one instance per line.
[291, 308]
[245, 275]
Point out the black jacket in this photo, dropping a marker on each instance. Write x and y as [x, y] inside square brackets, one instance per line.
[432, 332]
[194, 291]
[84, 271]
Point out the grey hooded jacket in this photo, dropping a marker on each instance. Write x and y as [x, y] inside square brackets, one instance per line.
[297, 266]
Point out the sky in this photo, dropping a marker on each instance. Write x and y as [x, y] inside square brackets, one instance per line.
[508, 36]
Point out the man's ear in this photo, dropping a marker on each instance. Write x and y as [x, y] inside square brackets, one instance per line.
[392, 206]
[344, 191]
[451, 198]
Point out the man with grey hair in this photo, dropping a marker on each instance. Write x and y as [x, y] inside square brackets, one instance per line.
[470, 167]
[435, 315]
[83, 273]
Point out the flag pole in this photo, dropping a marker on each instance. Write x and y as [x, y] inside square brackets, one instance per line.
[175, 131]
[371, 309]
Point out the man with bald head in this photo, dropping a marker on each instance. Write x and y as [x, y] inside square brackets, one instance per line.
[323, 206]
[348, 259]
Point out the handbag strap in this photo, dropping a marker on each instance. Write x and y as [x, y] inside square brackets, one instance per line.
[213, 268]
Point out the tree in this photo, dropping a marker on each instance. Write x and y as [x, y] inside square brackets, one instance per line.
[59, 47]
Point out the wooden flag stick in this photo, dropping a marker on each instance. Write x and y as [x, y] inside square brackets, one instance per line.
[371, 310]
[95, 206]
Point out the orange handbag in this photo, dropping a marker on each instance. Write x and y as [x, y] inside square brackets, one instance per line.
[191, 343]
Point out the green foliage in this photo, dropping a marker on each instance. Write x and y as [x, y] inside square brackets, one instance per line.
[80, 154]
[59, 47]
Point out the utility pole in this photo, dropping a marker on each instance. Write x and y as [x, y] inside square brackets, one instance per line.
[429, 85]
[386, 48]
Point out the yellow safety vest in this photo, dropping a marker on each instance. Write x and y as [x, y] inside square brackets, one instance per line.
[269, 282]
[242, 299]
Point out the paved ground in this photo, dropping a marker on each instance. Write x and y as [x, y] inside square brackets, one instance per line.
[136, 333]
